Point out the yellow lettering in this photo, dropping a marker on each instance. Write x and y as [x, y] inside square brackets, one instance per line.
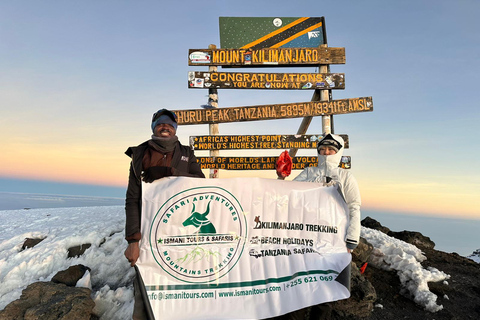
[302, 56]
[273, 55]
[215, 57]
[308, 53]
[236, 56]
[222, 56]
[288, 55]
[255, 56]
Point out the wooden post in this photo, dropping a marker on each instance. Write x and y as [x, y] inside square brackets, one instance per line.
[318, 95]
[325, 96]
[213, 128]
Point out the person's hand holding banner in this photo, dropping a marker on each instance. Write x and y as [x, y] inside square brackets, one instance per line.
[284, 165]
[132, 253]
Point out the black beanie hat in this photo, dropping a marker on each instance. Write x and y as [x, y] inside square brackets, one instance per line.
[164, 116]
[329, 141]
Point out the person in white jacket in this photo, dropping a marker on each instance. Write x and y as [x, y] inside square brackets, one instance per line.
[328, 172]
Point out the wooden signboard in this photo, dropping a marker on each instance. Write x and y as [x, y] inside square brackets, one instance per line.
[261, 163]
[271, 57]
[272, 32]
[246, 80]
[217, 142]
[274, 111]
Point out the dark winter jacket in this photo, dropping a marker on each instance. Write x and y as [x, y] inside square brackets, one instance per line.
[184, 164]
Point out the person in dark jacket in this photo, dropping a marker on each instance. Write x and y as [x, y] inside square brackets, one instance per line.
[161, 156]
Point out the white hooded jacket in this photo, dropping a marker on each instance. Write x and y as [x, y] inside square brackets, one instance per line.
[328, 166]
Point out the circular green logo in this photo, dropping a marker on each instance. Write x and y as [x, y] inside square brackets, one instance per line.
[199, 234]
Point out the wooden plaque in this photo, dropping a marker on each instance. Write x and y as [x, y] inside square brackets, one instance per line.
[246, 80]
[218, 142]
[261, 163]
[274, 111]
[269, 57]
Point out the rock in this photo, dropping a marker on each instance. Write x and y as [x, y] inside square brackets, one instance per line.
[440, 288]
[374, 224]
[362, 298]
[31, 242]
[70, 276]
[415, 238]
[51, 301]
[105, 239]
[359, 305]
[77, 251]
[362, 252]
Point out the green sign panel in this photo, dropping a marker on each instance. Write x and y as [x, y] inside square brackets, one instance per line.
[272, 32]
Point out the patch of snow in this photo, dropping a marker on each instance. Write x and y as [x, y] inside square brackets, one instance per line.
[111, 275]
[394, 254]
[475, 256]
[85, 281]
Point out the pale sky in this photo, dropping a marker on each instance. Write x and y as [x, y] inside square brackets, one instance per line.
[80, 80]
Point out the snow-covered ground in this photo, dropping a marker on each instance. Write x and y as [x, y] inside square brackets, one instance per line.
[63, 228]
[111, 274]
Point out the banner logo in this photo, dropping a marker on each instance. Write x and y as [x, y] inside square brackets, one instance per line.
[201, 221]
[198, 235]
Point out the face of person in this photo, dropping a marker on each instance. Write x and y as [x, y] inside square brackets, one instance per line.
[164, 130]
[327, 151]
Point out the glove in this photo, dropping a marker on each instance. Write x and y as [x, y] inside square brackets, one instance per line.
[155, 173]
[284, 164]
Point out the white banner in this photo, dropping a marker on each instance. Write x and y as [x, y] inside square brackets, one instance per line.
[243, 248]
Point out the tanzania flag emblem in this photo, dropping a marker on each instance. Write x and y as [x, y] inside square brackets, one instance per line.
[259, 33]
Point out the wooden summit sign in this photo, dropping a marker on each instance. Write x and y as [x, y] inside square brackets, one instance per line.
[260, 163]
[217, 142]
[266, 57]
[246, 80]
[274, 111]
